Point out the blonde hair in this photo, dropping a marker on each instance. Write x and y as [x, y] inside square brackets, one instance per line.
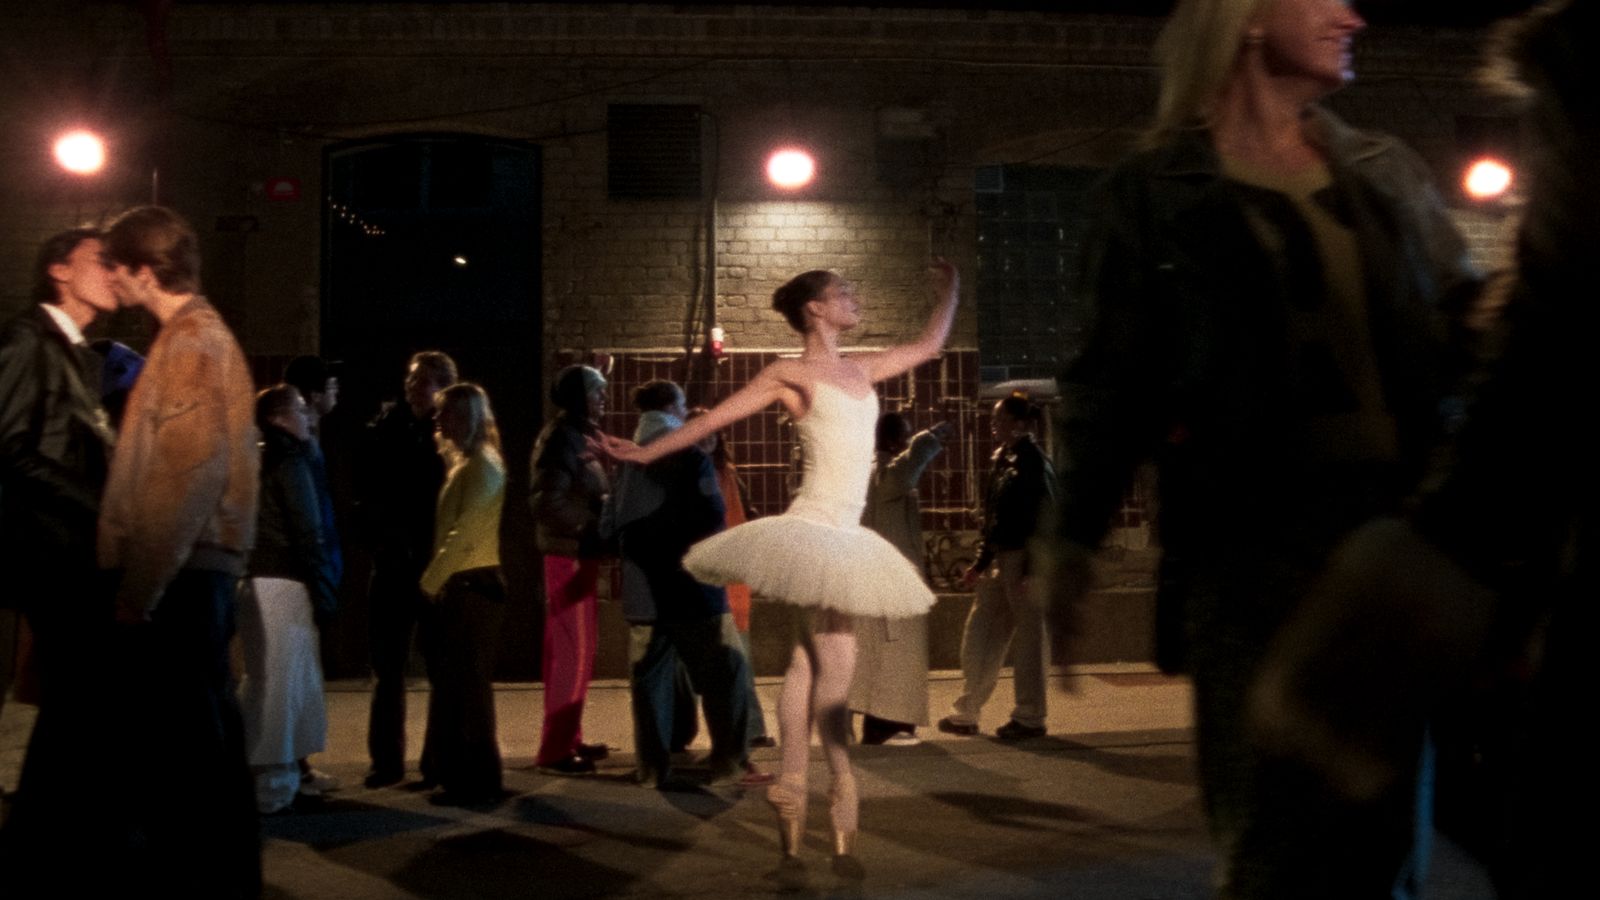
[1196, 52]
[473, 399]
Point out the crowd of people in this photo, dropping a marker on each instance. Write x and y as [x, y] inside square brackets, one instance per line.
[1284, 319]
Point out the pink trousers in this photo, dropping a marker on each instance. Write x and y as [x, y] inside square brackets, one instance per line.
[570, 641]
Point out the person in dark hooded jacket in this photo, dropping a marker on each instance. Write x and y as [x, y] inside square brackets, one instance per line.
[656, 513]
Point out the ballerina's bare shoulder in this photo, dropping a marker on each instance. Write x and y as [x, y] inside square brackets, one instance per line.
[801, 378]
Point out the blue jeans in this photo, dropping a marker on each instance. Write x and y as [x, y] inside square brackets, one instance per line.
[718, 671]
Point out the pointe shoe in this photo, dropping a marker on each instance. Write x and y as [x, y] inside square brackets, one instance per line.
[844, 806]
[788, 800]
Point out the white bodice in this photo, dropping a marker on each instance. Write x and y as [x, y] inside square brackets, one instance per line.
[836, 445]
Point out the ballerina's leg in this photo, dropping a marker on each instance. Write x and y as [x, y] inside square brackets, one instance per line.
[835, 662]
[794, 713]
[834, 650]
[788, 796]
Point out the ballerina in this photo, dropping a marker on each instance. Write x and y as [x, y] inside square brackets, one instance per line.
[816, 557]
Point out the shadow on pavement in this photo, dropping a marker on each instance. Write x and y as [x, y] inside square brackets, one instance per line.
[337, 822]
[1175, 768]
[497, 863]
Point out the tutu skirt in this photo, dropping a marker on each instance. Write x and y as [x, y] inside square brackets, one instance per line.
[795, 559]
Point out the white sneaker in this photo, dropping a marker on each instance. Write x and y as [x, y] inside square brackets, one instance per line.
[315, 783]
[902, 739]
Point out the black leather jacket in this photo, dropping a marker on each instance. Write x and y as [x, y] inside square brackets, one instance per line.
[54, 443]
[1193, 355]
[290, 541]
[656, 513]
[1020, 484]
[1195, 359]
[397, 479]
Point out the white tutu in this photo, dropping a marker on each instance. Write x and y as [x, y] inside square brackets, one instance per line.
[794, 560]
[817, 553]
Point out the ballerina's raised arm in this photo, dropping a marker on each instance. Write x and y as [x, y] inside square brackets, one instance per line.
[790, 381]
[885, 364]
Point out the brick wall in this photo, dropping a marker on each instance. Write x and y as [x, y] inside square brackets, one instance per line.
[625, 278]
[259, 92]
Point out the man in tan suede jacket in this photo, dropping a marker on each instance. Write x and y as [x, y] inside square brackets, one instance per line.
[176, 522]
[182, 491]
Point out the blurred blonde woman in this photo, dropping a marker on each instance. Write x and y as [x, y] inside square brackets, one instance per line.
[467, 601]
[1266, 283]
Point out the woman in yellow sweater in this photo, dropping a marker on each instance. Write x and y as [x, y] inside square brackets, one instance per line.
[462, 623]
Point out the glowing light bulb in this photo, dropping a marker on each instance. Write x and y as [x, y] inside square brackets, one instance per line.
[791, 169]
[1487, 179]
[80, 152]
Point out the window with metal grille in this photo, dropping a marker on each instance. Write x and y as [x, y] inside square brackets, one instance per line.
[1031, 225]
[653, 151]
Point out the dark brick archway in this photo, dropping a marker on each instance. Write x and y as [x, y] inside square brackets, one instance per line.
[433, 242]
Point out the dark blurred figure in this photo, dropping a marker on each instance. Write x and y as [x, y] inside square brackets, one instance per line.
[176, 523]
[656, 512]
[314, 379]
[1474, 614]
[55, 440]
[398, 476]
[319, 388]
[1267, 285]
[736, 511]
[890, 687]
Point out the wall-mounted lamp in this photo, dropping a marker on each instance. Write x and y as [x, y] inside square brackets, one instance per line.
[1487, 149]
[1486, 179]
[80, 152]
[790, 168]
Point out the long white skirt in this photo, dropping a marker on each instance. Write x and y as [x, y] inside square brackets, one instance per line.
[285, 718]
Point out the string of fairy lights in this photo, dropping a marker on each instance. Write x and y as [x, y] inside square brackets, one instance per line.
[351, 217]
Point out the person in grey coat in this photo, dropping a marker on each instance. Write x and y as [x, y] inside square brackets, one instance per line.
[890, 689]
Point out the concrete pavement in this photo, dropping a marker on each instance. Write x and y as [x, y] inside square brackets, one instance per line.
[1105, 807]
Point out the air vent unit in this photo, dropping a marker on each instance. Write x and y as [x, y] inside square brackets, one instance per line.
[653, 151]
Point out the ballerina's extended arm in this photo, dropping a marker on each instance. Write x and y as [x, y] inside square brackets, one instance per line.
[767, 388]
[904, 357]
[770, 384]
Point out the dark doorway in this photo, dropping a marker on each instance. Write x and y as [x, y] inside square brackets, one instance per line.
[432, 242]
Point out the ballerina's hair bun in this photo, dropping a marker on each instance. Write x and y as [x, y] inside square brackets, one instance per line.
[791, 299]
